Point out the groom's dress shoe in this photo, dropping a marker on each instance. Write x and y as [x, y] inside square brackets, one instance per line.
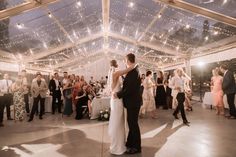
[133, 151]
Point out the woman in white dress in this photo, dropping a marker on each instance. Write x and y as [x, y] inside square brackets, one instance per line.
[116, 127]
[148, 96]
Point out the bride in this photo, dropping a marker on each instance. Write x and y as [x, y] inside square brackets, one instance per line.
[116, 127]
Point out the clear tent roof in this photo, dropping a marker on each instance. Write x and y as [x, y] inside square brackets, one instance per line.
[71, 33]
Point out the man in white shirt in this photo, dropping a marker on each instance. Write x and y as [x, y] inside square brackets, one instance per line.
[2, 105]
[178, 85]
[7, 98]
[55, 91]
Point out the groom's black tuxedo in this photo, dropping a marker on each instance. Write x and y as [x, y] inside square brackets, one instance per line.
[131, 91]
[132, 99]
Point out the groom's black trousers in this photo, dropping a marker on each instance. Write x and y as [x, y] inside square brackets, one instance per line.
[134, 137]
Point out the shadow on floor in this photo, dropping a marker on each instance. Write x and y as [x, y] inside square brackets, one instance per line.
[67, 144]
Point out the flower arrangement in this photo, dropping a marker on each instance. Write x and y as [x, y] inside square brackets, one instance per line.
[104, 115]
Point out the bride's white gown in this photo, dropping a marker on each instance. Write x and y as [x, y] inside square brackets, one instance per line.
[116, 128]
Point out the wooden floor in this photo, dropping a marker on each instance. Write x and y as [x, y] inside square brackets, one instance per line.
[209, 135]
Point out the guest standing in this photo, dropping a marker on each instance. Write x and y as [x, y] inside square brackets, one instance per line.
[26, 91]
[91, 96]
[160, 92]
[39, 90]
[188, 92]
[229, 89]
[168, 96]
[7, 94]
[55, 90]
[173, 91]
[178, 84]
[68, 97]
[148, 96]
[217, 91]
[18, 99]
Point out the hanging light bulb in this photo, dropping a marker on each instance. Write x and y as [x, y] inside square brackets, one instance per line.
[206, 38]
[45, 45]
[224, 2]
[131, 4]
[159, 16]
[216, 32]
[89, 31]
[152, 37]
[187, 26]
[31, 52]
[136, 33]
[20, 25]
[177, 48]
[49, 15]
[78, 4]
[122, 30]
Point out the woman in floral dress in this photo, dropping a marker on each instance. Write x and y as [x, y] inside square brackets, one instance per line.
[18, 99]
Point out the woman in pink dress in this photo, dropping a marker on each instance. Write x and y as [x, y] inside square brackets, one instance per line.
[217, 91]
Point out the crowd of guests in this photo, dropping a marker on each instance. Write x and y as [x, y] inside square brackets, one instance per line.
[72, 93]
[166, 92]
[223, 82]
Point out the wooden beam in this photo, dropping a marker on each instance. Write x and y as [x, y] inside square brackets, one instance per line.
[180, 4]
[145, 44]
[118, 52]
[105, 18]
[77, 59]
[155, 19]
[62, 47]
[59, 25]
[7, 13]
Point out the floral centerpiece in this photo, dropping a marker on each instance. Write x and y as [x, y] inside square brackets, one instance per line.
[104, 115]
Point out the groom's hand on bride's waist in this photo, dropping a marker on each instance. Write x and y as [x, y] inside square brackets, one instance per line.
[114, 95]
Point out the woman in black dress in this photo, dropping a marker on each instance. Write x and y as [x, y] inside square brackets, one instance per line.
[160, 91]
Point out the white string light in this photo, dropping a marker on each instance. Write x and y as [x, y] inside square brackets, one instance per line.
[131, 4]
[78, 4]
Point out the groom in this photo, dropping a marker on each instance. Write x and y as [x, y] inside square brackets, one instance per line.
[131, 96]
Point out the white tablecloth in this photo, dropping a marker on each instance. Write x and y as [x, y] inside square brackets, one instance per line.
[48, 103]
[99, 104]
[208, 100]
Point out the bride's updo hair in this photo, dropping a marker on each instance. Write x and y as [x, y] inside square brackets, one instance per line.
[113, 63]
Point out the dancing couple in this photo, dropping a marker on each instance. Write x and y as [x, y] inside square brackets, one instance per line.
[127, 95]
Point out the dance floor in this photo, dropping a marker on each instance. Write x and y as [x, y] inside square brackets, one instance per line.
[208, 136]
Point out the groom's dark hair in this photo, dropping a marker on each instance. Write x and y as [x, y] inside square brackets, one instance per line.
[131, 57]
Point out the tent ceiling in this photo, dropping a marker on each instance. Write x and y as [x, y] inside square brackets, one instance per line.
[62, 33]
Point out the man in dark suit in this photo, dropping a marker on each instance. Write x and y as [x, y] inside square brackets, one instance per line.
[132, 99]
[54, 87]
[167, 95]
[229, 89]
